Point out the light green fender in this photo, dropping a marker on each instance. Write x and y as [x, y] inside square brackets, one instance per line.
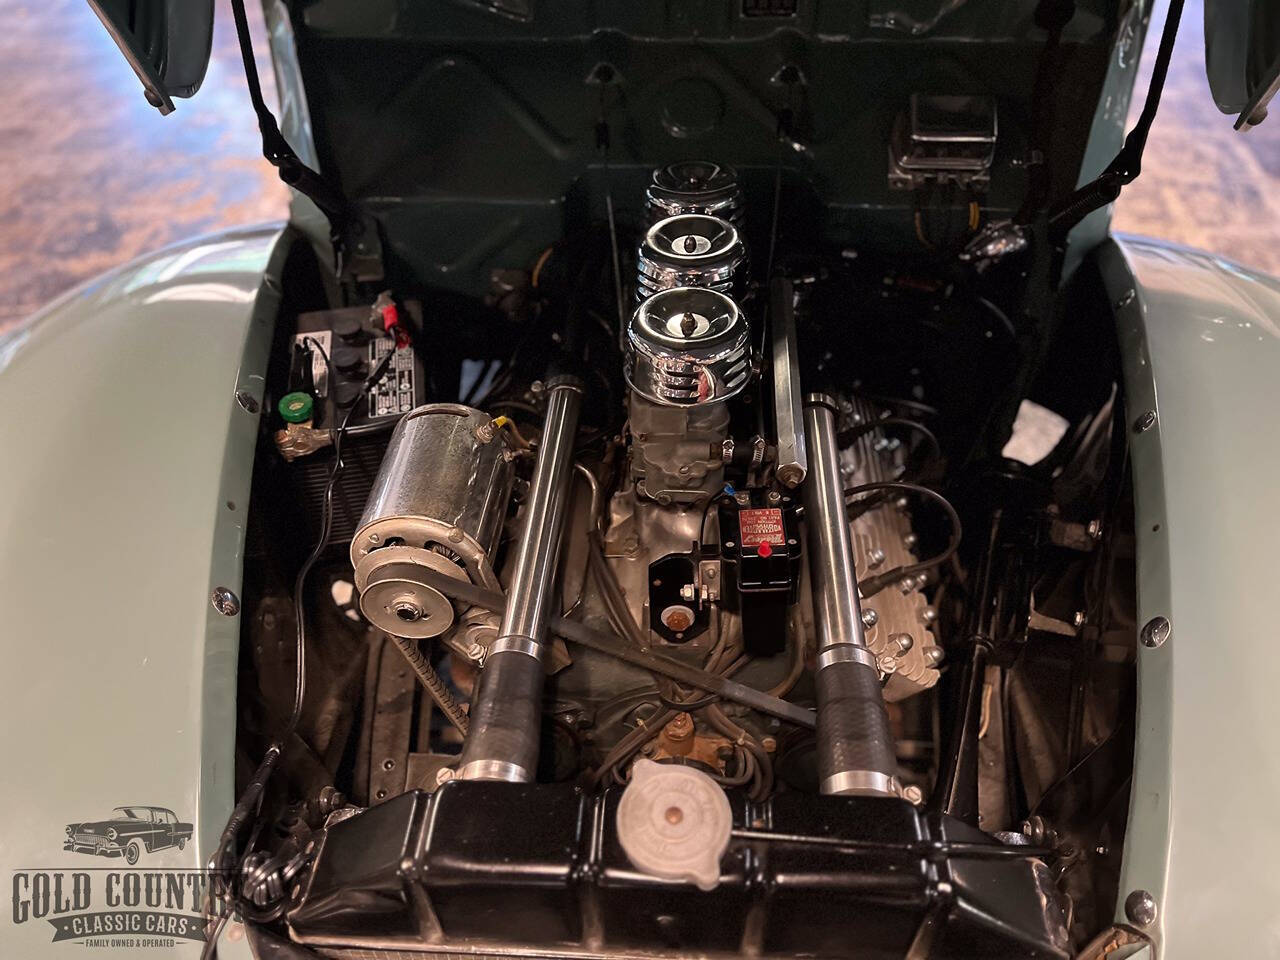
[124, 486]
[1200, 339]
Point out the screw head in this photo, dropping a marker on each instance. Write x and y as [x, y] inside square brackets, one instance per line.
[913, 794]
[247, 401]
[1140, 908]
[1144, 422]
[475, 652]
[1155, 632]
[444, 775]
[225, 602]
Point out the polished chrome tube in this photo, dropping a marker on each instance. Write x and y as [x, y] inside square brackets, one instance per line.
[506, 711]
[793, 461]
[855, 744]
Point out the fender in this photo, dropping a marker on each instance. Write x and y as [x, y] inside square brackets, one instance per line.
[1200, 340]
[131, 413]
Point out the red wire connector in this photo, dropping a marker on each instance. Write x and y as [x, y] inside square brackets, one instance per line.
[385, 310]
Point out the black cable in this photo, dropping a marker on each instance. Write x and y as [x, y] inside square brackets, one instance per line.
[250, 801]
[706, 510]
[875, 584]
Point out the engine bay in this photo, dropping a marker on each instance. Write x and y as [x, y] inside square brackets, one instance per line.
[699, 592]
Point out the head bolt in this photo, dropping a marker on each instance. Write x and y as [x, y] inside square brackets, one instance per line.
[902, 642]
[875, 557]
[870, 618]
[934, 656]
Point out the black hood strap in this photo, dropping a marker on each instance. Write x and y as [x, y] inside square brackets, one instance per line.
[346, 221]
[1126, 166]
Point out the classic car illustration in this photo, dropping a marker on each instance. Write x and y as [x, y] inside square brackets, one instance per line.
[128, 832]
[689, 479]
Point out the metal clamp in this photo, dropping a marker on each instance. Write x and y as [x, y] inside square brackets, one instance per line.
[861, 782]
[515, 644]
[493, 770]
[846, 653]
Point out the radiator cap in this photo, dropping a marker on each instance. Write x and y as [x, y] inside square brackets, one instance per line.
[674, 822]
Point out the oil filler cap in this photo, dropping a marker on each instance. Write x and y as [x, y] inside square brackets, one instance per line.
[674, 822]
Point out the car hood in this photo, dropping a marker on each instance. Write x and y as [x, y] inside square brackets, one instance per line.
[473, 130]
[1242, 56]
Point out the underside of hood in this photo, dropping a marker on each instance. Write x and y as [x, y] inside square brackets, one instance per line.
[476, 132]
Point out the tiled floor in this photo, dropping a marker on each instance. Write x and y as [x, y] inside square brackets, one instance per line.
[94, 176]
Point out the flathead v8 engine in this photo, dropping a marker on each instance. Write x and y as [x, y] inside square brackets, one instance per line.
[635, 646]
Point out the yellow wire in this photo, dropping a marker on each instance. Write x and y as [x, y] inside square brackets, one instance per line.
[506, 423]
[537, 267]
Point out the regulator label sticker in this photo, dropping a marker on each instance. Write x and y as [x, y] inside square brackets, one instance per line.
[394, 393]
[761, 526]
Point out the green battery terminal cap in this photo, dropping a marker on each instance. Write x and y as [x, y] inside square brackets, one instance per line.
[295, 407]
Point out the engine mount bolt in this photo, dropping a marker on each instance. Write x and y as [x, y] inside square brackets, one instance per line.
[1156, 631]
[1140, 908]
[225, 602]
[870, 618]
[1144, 422]
[247, 401]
